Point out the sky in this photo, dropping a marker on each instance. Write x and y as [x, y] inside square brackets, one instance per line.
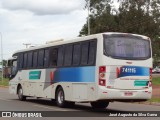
[38, 21]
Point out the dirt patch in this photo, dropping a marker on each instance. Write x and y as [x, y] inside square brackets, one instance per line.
[156, 91]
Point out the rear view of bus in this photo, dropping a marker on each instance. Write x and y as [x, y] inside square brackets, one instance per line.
[124, 72]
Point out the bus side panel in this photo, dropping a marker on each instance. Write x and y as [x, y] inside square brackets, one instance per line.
[42, 87]
[83, 92]
[77, 81]
[74, 82]
[76, 74]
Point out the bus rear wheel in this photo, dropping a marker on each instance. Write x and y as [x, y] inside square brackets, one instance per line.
[99, 104]
[20, 94]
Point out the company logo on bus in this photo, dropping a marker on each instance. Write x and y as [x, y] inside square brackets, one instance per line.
[132, 71]
[34, 75]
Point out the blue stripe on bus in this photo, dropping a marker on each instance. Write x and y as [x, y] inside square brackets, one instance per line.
[76, 74]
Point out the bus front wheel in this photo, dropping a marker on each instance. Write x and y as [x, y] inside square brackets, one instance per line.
[60, 97]
[20, 94]
[99, 104]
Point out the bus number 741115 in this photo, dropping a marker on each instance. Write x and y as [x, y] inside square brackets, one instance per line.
[129, 70]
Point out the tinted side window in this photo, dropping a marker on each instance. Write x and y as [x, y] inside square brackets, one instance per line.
[53, 56]
[60, 56]
[46, 57]
[84, 56]
[25, 61]
[68, 55]
[40, 58]
[76, 54]
[92, 52]
[20, 60]
[35, 58]
[30, 60]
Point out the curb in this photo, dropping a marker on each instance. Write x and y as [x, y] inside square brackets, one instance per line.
[155, 103]
[151, 103]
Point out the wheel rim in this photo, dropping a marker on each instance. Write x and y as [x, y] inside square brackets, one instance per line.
[60, 97]
[20, 93]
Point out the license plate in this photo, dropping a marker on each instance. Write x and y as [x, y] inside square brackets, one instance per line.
[128, 93]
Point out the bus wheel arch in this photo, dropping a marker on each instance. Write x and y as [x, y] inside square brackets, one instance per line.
[58, 86]
[19, 85]
[20, 93]
[60, 96]
[60, 100]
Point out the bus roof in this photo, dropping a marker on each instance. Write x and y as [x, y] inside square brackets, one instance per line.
[78, 39]
[12, 58]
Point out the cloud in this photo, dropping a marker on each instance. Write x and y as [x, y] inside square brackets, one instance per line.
[18, 27]
[44, 7]
[38, 21]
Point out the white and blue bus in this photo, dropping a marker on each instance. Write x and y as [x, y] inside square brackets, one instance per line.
[99, 69]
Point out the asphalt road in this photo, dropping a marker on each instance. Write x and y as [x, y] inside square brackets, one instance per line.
[11, 103]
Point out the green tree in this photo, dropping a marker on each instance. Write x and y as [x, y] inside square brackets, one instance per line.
[4, 62]
[101, 17]
[135, 17]
[132, 16]
[142, 17]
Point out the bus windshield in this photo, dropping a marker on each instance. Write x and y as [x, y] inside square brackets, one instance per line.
[126, 47]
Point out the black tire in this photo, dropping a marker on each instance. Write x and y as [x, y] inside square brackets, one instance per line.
[99, 104]
[20, 94]
[60, 97]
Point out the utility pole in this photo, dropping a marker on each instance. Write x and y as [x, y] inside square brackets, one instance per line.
[89, 32]
[26, 44]
[1, 56]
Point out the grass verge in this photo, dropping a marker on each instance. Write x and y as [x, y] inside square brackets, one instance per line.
[154, 100]
[156, 81]
[4, 82]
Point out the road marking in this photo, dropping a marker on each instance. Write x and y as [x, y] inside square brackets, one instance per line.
[57, 109]
[5, 99]
[3, 91]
